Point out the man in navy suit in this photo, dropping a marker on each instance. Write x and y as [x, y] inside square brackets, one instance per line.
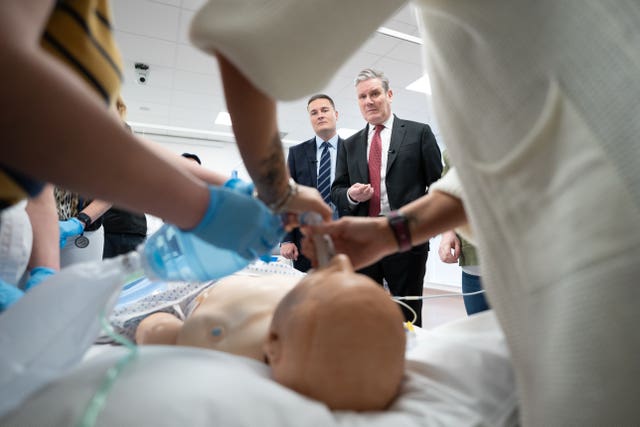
[304, 166]
[407, 161]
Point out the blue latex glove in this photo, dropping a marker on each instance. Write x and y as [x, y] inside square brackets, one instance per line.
[37, 275]
[240, 223]
[8, 295]
[240, 186]
[247, 188]
[69, 228]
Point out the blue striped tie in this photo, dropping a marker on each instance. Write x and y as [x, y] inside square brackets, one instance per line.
[324, 173]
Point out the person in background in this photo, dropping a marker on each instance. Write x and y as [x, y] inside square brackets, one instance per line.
[29, 246]
[313, 163]
[81, 232]
[388, 164]
[454, 248]
[124, 231]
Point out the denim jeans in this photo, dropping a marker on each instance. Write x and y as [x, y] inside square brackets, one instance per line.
[476, 303]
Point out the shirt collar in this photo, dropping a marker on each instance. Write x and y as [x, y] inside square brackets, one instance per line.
[387, 125]
[333, 142]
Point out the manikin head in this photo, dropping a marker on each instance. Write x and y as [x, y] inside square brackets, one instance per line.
[337, 337]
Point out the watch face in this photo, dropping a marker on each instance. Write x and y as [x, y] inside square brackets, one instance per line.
[82, 242]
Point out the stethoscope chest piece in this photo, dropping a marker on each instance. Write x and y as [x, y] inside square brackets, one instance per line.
[82, 242]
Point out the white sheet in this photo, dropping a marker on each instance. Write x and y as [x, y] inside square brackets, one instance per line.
[457, 374]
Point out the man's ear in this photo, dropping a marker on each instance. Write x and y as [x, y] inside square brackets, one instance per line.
[272, 348]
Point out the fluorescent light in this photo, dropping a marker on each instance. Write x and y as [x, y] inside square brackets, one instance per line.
[346, 132]
[223, 119]
[422, 85]
[398, 35]
[172, 130]
[144, 126]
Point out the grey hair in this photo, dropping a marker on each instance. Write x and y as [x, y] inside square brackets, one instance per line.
[370, 73]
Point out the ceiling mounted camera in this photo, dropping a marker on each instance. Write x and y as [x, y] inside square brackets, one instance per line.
[142, 73]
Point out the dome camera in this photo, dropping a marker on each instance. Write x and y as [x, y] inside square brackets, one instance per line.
[142, 73]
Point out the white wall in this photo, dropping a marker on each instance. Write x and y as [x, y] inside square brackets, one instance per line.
[220, 156]
[440, 275]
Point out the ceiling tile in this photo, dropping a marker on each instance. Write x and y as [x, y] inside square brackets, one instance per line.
[184, 85]
[187, 81]
[186, 16]
[193, 4]
[191, 59]
[147, 18]
[145, 49]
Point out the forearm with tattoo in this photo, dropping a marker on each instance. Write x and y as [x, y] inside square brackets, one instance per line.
[269, 178]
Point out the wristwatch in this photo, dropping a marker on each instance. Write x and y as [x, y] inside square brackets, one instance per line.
[400, 226]
[84, 218]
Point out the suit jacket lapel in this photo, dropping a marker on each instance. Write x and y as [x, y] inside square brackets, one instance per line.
[312, 161]
[397, 136]
[361, 157]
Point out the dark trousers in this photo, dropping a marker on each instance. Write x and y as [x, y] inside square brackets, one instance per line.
[404, 274]
[474, 303]
[302, 263]
[120, 243]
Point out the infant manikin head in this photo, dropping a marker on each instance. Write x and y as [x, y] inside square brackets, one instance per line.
[337, 337]
[234, 315]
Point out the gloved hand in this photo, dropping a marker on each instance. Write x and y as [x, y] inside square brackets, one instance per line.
[37, 275]
[240, 186]
[9, 294]
[69, 228]
[240, 223]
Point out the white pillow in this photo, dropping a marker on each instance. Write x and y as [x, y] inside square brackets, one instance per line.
[456, 375]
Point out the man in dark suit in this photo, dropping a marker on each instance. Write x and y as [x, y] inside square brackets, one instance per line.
[306, 166]
[388, 164]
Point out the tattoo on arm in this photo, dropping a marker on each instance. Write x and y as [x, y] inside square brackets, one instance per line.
[271, 182]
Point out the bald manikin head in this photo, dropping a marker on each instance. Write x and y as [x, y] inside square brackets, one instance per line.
[337, 337]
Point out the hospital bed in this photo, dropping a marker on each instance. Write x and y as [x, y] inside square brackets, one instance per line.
[456, 375]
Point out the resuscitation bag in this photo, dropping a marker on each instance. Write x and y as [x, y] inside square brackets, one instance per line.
[171, 254]
[47, 332]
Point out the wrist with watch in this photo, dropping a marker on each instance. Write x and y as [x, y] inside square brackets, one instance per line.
[399, 224]
[82, 241]
[84, 218]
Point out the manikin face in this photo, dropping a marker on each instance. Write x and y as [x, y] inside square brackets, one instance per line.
[337, 337]
[323, 118]
[374, 101]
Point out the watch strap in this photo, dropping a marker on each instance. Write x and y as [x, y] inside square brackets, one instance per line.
[84, 218]
[400, 226]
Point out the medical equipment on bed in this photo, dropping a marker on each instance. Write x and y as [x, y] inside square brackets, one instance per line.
[171, 254]
[323, 243]
[48, 331]
[235, 230]
[400, 300]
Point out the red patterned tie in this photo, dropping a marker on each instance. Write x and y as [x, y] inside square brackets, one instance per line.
[375, 164]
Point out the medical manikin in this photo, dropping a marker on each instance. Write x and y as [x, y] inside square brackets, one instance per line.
[327, 337]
